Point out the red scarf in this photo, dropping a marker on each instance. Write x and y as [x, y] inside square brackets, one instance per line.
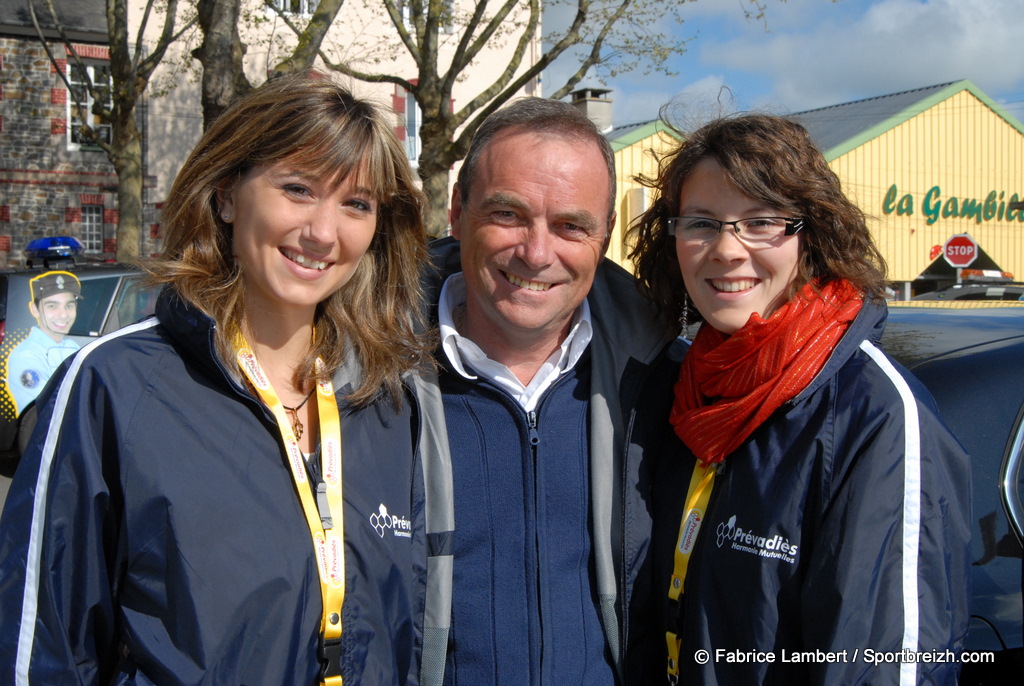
[729, 385]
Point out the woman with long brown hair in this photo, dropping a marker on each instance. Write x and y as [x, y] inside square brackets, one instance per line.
[228, 492]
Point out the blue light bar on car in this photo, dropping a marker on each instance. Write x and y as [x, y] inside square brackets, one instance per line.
[54, 246]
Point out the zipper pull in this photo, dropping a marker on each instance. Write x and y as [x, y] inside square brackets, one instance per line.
[531, 421]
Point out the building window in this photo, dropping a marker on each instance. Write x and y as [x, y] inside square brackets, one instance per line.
[448, 17]
[413, 118]
[302, 8]
[79, 78]
[447, 23]
[92, 228]
[404, 8]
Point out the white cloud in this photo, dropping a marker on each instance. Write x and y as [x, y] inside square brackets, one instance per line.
[812, 53]
[894, 45]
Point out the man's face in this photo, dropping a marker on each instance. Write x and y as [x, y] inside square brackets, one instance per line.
[55, 314]
[532, 231]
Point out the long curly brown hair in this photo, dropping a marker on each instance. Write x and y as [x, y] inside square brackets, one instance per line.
[320, 128]
[774, 160]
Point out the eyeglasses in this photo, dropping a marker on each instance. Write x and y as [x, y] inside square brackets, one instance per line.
[756, 232]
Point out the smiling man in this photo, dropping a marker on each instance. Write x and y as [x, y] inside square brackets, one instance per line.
[554, 380]
[54, 306]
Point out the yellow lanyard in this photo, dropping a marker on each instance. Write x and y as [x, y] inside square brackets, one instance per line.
[697, 496]
[325, 516]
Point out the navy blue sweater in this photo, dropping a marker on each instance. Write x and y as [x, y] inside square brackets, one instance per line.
[522, 546]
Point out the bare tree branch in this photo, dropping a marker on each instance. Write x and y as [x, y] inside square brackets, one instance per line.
[310, 39]
[115, 103]
[623, 31]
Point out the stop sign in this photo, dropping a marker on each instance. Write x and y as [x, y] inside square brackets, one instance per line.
[960, 250]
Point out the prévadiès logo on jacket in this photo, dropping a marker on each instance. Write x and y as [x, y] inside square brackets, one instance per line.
[383, 521]
[772, 546]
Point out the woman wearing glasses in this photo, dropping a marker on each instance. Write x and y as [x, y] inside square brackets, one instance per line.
[812, 518]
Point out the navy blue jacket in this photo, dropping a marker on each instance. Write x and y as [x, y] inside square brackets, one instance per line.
[154, 517]
[836, 537]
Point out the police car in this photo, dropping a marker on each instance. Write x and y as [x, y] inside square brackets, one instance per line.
[49, 311]
[980, 284]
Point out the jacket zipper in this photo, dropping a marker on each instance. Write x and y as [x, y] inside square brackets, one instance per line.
[534, 435]
[531, 423]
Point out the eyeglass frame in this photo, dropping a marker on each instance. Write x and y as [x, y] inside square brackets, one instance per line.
[793, 225]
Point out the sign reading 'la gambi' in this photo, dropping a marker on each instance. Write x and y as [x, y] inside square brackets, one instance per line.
[933, 206]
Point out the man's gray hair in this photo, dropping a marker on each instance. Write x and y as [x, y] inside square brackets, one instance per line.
[541, 116]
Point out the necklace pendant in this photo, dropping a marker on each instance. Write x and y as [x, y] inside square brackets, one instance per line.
[296, 422]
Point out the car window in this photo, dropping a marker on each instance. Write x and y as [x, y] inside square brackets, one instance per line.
[134, 302]
[94, 305]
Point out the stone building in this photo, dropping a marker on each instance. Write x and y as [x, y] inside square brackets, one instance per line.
[53, 181]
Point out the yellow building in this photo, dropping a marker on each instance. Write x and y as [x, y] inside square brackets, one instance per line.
[637, 149]
[925, 165]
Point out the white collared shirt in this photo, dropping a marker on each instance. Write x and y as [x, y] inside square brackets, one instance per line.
[464, 354]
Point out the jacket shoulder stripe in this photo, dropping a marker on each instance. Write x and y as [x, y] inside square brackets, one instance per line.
[30, 602]
[911, 507]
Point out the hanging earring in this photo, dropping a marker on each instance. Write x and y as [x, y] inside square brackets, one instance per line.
[684, 317]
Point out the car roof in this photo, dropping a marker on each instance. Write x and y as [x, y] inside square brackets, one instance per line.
[915, 332]
[79, 268]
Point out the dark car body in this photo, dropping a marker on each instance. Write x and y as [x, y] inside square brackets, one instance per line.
[972, 361]
[111, 297]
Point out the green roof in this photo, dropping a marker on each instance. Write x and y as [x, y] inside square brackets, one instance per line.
[624, 136]
[839, 129]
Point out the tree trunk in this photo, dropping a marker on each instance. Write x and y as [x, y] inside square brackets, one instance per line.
[221, 54]
[435, 162]
[127, 158]
[435, 185]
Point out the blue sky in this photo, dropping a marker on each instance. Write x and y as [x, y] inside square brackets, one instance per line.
[813, 53]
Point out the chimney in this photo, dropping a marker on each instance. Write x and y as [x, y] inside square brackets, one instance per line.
[594, 103]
